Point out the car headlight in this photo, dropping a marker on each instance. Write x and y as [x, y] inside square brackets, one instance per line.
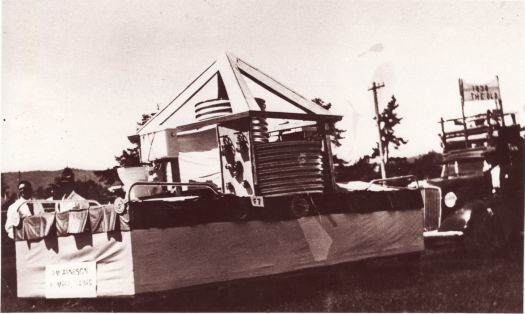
[450, 199]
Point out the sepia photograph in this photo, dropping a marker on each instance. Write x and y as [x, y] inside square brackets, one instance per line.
[262, 156]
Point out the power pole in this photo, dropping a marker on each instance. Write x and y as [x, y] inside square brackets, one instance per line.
[374, 89]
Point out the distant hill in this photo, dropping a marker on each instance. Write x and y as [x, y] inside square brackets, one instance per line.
[43, 178]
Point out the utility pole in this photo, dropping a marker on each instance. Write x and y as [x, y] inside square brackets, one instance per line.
[374, 89]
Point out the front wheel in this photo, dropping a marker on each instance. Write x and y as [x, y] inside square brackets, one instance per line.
[481, 236]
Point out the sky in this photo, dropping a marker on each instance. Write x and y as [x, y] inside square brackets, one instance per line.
[77, 75]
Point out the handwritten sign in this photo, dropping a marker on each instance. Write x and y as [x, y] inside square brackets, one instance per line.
[481, 92]
[476, 92]
[71, 280]
[257, 201]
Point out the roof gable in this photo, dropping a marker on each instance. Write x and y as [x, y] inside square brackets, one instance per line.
[228, 78]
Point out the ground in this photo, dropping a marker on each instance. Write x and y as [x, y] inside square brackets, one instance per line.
[441, 280]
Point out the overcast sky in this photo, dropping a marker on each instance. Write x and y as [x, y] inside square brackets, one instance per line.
[77, 75]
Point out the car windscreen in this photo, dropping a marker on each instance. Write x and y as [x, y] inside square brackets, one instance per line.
[462, 167]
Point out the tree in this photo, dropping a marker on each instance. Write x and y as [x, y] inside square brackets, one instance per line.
[361, 170]
[145, 118]
[7, 197]
[5, 187]
[130, 156]
[427, 165]
[335, 133]
[88, 189]
[93, 191]
[108, 176]
[387, 121]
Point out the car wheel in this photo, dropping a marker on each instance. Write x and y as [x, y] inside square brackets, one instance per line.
[480, 237]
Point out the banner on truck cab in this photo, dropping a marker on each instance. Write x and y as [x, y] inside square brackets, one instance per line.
[479, 92]
[71, 280]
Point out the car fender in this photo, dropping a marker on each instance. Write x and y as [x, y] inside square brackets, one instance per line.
[461, 218]
[457, 221]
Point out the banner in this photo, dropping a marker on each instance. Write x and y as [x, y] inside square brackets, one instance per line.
[477, 92]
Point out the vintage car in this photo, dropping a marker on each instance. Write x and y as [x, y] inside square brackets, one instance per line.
[479, 177]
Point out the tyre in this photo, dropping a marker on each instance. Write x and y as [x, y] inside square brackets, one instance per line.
[481, 236]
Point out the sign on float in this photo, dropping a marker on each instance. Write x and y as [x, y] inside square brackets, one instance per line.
[71, 280]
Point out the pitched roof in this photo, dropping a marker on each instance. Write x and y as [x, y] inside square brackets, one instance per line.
[234, 77]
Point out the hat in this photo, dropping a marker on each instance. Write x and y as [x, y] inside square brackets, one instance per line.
[67, 176]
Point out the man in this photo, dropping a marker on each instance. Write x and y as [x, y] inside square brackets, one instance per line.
[492, 174]
[501, 198]
[67, 187]
[17, 211]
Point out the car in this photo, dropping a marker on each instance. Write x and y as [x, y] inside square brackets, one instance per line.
[479, 195]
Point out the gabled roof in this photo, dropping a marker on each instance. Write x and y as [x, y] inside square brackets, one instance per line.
[233, 75]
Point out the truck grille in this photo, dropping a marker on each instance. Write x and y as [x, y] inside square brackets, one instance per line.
[432, 211]
[289, 167]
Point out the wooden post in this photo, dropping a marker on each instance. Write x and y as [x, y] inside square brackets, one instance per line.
[374, 89]
[489, 133]
[500, 102]
[444, 135]
[463, 112]
[328, 158]
[253, 158]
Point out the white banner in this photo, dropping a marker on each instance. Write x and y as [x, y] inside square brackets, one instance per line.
[478, 92]
[71, 280]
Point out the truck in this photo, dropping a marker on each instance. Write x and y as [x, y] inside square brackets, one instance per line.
[478, 199]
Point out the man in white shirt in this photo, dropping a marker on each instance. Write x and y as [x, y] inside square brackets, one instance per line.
[18, 210]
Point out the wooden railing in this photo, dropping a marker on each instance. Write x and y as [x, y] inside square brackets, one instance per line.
[485, 124]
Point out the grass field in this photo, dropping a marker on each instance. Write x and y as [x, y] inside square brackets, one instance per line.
[440, 281]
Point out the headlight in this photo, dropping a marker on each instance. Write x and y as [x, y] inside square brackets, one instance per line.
[450, 199]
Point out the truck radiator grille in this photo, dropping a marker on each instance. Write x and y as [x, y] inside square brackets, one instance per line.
[289, 167]
[432, 212]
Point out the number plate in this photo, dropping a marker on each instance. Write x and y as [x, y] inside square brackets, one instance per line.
[257, 201]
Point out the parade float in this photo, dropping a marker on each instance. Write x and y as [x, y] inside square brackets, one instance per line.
[237, 182]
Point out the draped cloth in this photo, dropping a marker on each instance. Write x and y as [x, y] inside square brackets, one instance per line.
[102, 219]
[35, 227]
[161, 258]
[71, 222]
